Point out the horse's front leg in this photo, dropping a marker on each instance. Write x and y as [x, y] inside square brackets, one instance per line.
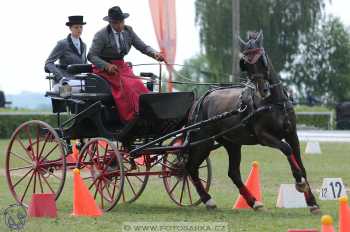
[310, 199]
[234, 172]
[266, 139]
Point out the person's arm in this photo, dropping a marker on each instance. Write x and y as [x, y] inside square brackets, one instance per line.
[140, 45]
[56, 53]
[96, 50]
[85, 51]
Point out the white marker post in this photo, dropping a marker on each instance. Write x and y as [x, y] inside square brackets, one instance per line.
[313, 148]
[289, 197]
[332, 189]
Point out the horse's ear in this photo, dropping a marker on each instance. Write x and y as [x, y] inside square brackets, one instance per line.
[259, 39]
[242, 44]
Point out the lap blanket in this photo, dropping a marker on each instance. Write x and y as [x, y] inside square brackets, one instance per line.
[126, 89]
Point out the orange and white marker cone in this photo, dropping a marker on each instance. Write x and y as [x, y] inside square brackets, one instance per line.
[253, 185]
[83, 202]
[327, 224]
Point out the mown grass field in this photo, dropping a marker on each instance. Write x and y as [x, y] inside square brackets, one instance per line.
[155, 206]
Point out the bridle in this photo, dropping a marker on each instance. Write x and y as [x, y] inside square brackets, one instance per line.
[275, 85]
[252, 56]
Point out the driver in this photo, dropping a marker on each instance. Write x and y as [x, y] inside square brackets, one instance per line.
[107, 51]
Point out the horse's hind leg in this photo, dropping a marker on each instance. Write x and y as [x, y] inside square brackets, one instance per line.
[234, 172]
[197, 155]
[293, 140]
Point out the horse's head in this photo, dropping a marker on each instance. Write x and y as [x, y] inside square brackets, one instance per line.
[254, 61]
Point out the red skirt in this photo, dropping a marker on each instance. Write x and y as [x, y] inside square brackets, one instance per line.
[126, 89]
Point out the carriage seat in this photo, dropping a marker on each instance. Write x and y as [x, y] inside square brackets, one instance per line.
[60, 66]
[79, 68]
[91, 88]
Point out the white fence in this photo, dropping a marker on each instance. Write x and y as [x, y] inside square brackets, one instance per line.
[329, 114]
[324, 136]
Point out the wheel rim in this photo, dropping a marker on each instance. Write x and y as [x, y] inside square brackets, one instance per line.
[102, 171]
[178, 183]
[35, 161]
[135, 180]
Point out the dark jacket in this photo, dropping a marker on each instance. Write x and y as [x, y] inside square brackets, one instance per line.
[104, 48]
[66, 53]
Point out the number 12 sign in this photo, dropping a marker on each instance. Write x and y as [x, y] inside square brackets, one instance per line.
[332, 189]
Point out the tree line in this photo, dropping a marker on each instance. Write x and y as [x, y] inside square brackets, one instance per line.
[308, 48]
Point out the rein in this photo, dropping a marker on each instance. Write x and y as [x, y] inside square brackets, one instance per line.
[275, 85]
[242, 123]
[189, 81]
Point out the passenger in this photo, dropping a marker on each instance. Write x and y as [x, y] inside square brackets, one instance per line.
[71, 50]
[107, 51]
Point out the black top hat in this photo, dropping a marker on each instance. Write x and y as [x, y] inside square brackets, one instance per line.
[75, 20]
[115, 13]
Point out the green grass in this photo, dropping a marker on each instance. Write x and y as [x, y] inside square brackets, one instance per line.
[155, 206]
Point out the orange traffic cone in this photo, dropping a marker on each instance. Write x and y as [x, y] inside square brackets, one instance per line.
[253, 185]
[102, 143]
[83, 202]
[73, 157]
[75, 152]
[344, 215]
[140, 160]
[327, 224]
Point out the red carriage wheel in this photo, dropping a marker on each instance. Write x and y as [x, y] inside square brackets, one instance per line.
[35, 161]
[136, 177]
[102, 171]
[178, 183]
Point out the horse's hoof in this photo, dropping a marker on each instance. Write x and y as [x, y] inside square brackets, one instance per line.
[210, 204]
[258, 206]
[315, 209]
[302, 186]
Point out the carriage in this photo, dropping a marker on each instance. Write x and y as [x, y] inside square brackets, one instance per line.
[115, 159]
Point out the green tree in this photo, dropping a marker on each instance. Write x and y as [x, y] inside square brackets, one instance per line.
[322, 67]
[284, 23]
[195, 70]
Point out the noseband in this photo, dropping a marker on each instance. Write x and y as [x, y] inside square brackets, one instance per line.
[251, 56]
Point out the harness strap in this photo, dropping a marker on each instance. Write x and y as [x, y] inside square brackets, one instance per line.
[199, 103]
[242, 123]
[275, 85]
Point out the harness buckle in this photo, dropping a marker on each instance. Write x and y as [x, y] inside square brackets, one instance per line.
[242, 108]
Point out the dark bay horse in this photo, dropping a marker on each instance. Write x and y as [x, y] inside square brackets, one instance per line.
[275, 127]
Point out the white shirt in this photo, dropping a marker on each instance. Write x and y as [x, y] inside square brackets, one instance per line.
[76, 42]
[116, 37]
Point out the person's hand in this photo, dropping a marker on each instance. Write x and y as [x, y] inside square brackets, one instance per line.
[111, 69]
[158, 56]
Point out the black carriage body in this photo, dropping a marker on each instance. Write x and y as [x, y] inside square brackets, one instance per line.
[93, 114]
[96, 115]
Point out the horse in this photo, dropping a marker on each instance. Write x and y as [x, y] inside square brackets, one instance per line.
[274, 127]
